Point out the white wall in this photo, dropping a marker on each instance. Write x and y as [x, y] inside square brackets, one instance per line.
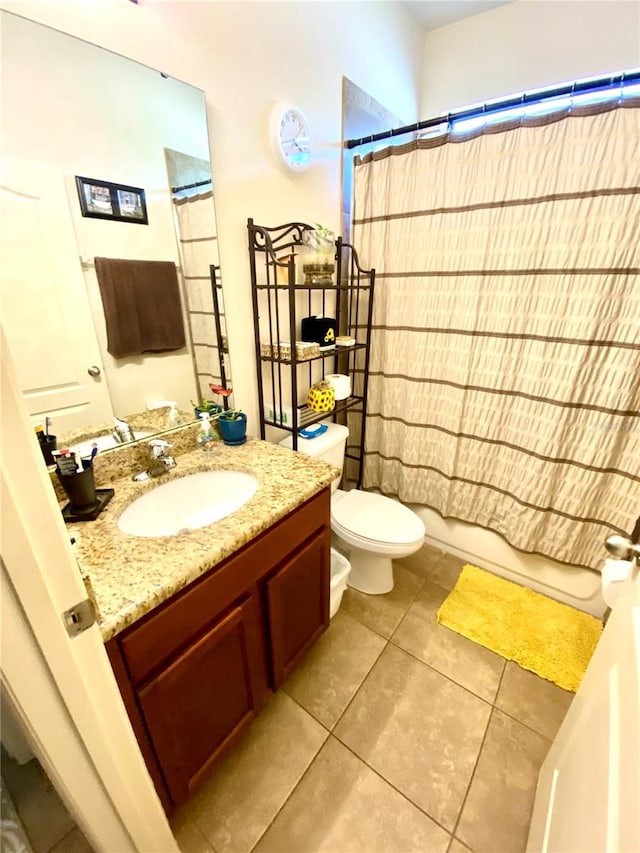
[247, 56]
[93, 113]
[525, 45]
[522, 46]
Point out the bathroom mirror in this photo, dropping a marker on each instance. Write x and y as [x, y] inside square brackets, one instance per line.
[71, 109]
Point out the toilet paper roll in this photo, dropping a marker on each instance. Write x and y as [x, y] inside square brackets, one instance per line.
[613, 573]
[341, 385]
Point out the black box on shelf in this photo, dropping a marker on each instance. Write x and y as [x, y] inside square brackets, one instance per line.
[321, 330]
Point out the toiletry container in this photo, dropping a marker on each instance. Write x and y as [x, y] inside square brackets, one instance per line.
[371, 529]
[206, 437]
[340, 568]
[173, 418]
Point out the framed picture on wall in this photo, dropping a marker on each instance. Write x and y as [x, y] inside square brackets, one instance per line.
[106, 200]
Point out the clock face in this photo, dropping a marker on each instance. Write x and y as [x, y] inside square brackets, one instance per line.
[292, 138]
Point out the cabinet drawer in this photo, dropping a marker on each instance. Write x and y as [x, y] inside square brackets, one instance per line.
[156, 638]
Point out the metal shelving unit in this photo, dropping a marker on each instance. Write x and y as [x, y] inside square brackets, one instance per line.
[279, 304]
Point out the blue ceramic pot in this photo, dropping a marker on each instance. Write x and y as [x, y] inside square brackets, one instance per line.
[233, 430]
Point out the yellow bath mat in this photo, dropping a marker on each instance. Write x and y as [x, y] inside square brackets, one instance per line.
[551, 639]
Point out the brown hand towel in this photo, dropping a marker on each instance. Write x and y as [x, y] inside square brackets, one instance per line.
[141, 301]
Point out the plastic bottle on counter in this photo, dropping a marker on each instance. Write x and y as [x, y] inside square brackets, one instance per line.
[206, 437]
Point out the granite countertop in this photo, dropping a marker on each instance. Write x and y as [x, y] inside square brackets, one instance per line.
[131, 575]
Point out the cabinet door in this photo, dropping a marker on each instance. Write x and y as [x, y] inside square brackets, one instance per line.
[298, 604]
[204, 699]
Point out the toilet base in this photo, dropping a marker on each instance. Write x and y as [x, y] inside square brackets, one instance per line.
[370, 573]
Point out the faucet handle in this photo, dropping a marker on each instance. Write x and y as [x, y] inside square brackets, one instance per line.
[157, 447]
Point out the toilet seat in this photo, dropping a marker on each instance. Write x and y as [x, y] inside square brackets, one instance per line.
[374, 522]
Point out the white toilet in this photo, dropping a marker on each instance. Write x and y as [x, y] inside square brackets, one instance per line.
[371, 529]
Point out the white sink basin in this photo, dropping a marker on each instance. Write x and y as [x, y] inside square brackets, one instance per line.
[188, 503]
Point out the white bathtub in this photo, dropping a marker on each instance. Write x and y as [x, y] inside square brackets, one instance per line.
[570, 584]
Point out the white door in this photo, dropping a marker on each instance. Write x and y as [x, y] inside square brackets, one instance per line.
[588, 796]
[63, 688]
[45, 308]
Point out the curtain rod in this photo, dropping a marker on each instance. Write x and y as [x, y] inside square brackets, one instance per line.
[496, 106]
[190, 186]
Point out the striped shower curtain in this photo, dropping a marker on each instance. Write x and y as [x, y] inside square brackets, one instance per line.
[504, 383]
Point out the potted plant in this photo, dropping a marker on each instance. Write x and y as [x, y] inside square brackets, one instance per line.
[207, 406]
[318, 259]
[223, 392]
[233, 426]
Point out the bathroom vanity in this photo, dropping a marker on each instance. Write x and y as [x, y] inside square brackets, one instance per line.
[199, 642]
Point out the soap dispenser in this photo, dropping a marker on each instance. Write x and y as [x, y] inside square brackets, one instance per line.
[173, 418]
[206, 437]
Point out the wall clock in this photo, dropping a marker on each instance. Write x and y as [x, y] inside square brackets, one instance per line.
[290, 137]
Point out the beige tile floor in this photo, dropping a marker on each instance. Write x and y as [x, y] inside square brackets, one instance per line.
[394, 735]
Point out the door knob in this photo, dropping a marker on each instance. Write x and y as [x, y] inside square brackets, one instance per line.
[94, 370]
[621, 548]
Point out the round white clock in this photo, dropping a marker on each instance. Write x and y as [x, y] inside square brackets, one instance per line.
[290, 137]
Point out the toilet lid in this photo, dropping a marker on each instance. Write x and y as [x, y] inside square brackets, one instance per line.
[377, 518]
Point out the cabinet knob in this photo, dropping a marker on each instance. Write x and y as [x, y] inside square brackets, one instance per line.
[94, 370]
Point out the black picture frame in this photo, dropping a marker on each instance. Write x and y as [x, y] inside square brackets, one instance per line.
[106, 200]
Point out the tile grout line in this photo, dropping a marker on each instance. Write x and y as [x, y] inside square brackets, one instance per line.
[293, 790]
[360, 686]
[306, 710]
[364, 625]
[447, 677]
[202, 835]
[329, 735]
[389, 641]
[396, 645]
[330, 731]
[391, 785]
[493, 707]
[395, 628]
[341, 714]
[473, 773]
[347, 747]
[358, 757]
[411, 603]
[290, 794]
[525, 725]
[504, 669]
[374, 770]
[511, 716]
[60, 840]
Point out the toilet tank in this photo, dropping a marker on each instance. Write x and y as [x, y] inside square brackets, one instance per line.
[329, 447]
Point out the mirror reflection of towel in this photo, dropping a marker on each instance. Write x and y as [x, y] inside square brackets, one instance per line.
[141, 301]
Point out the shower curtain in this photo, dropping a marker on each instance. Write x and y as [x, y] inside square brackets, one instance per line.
[199, 248]
[504, 383]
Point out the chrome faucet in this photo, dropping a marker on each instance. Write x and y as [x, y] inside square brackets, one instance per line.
[159, 462]
[122, 431]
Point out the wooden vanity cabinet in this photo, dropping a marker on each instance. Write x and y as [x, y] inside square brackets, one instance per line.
[297, 601]
[194, 672]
